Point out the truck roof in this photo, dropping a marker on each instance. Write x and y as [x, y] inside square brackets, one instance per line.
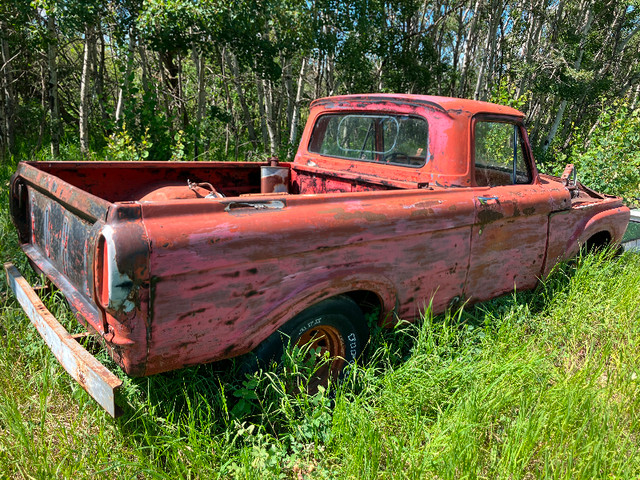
[448, 105]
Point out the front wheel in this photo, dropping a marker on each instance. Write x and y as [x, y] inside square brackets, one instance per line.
[335, 327]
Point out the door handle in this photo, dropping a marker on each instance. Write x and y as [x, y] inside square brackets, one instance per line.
[488, 200]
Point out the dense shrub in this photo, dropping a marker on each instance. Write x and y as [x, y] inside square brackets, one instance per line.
[608, 158]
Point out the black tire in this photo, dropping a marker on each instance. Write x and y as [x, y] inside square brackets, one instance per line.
[326, 324]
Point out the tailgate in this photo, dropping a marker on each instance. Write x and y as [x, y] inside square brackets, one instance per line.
[58, 224]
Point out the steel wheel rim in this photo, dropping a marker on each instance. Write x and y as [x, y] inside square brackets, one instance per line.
[328, 339]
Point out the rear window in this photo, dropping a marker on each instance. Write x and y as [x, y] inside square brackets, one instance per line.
[389, 139]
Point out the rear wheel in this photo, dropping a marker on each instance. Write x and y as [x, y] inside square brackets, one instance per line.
[335, 327]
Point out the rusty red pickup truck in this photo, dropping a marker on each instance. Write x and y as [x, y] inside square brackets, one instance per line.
[391, 203]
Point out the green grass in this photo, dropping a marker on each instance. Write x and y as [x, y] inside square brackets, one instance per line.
[534, 384]
[632, 232]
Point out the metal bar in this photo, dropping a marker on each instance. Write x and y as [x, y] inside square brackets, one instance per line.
[94, 377]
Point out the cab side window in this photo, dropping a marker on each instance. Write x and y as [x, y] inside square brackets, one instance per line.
[499, 155]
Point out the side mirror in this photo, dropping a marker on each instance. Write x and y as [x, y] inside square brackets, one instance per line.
[570, 177]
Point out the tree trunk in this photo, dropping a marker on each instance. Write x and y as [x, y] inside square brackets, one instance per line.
[198, 61]
[54, 105]
[289, 93]
[261, 111]
[124, 87]
[636, 97]
[89, 45]
[4, 149]
[456, 52]
[231, 126]
[469, 45]
[235, 72]
[586, 27]
[144, 63]
[169, 71]
[8, 107]
[295, 117]
[267, 88]
[483, 67]
[166, 92]
[44, 94]
[181, 98]
[99, 75]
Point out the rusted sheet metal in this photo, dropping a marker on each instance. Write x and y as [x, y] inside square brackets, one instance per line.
[449, 134]
[79, 201]
[403, 245]
[185, 279]
[274, 178]
[105, 179]
[94, 377]
[86, 312]
[570, 229]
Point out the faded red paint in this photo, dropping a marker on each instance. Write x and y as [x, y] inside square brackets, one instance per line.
[210, 278]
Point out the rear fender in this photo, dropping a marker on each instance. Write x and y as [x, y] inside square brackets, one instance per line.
[379, 285]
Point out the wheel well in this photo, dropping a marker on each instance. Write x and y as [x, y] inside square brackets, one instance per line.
[597, 242]
[369, 302]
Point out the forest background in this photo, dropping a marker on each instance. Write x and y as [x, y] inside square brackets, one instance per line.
[213, 80]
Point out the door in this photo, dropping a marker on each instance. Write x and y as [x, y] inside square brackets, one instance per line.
[509, 236]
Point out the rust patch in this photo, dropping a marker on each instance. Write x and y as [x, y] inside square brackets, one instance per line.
[488, 216]
[368, 216]
[422, 213]
[191, 314]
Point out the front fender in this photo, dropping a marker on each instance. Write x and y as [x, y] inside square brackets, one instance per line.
[570, 229]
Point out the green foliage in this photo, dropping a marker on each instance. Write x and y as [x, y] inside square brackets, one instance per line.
[122, 148]
[608, 160]
[504, 93]
[177, 152]
[144, 118]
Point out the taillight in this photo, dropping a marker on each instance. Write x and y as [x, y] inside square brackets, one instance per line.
[112, 287]
[102, 272]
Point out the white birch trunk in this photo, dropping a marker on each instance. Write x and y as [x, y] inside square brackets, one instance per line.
[295, 118]
[468, 49]
[267, 88]
[89, 42]
[235, 71]
[261, 111]
[54, 106]
[124, 87]
[586, 27]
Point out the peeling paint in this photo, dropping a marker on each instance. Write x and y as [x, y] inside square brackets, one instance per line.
[193, 280]
[119, 284]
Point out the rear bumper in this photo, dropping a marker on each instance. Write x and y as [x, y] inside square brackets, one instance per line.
[94, 377]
